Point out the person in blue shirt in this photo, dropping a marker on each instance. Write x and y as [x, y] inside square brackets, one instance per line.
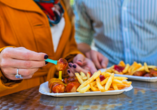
[121, 29]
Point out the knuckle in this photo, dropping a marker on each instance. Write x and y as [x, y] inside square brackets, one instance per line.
[6, 53]
[28, 64]
[27, 55]
[4, 63]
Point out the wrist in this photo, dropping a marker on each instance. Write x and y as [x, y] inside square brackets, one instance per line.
[88, 51]
[83, 47]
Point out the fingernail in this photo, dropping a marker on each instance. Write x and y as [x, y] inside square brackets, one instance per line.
[46, 62]
[68, 71]
[46, 56]
[74, 66]
[70, 65]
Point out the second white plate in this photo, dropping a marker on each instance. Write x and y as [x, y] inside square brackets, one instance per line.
[138, 78]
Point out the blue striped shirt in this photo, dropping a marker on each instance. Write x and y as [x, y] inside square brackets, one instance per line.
[122, 29]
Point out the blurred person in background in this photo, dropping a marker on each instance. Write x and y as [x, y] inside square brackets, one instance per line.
[30, 32]
[121, 29]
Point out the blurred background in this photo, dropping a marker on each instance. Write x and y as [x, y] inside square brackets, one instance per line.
[72, 3]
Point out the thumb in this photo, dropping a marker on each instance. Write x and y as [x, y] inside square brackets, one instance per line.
[91, 66]
[104, 62]
[88, 55]
[93, 70]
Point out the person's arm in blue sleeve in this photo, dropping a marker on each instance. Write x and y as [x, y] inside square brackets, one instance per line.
[84, 35]
[83, 25]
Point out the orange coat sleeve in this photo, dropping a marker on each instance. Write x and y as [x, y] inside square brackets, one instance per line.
[4, 82]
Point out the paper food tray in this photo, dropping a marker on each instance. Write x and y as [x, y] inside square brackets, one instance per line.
[45, 90]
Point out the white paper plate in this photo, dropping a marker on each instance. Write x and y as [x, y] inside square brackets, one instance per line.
[45, 90]
[138, 78]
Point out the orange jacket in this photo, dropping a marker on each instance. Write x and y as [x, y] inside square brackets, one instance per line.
[23, 24]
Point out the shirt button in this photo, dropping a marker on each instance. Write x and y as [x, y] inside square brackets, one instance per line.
[124, 8]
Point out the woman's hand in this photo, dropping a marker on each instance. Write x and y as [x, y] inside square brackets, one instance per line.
[81, 64]
[25, 60]
[99, 60]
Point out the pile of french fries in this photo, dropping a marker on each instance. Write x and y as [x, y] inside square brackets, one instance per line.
[131, 69]
[93, 83]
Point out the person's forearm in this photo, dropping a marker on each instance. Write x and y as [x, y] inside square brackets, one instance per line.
[83, 47]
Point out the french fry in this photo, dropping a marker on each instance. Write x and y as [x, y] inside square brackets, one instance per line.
[93, 83]
[117, 81]
[84, 89]
[140, 69]
[92, 86]
[138, 65]
[146, 67]
[122, 85]
[127, 82]
[151, 67]
[121, 63]
[101, 88]
[135, 64]
[106, 74]
[111, 88]
[116, 72]
[126, 68]
[83, 76]
[104, 81]
[108, 84]
[95, 75]
[88, 75]
[114, 86]
[130, 69]
[135, 67]
[110, 69]
[131, 73]
[79, 78]
[120, 78]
